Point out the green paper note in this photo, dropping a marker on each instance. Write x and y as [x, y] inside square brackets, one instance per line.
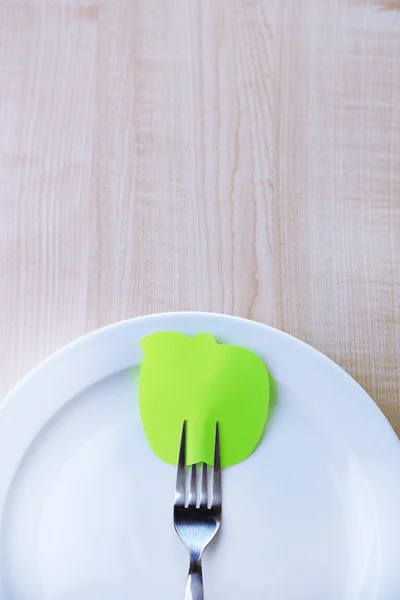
[202, 382]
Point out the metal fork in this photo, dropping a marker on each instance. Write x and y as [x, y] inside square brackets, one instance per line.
[197, 519]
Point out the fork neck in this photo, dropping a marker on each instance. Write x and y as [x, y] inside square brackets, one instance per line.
[194, 589]
[195, 557]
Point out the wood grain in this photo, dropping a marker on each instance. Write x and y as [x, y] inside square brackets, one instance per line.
[239, 156]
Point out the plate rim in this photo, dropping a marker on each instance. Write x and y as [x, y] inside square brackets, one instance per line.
[44, 363]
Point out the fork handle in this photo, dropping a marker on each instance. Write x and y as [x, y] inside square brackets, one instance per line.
[194, 587]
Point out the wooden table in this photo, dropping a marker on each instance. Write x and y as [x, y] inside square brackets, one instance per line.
[238, 156]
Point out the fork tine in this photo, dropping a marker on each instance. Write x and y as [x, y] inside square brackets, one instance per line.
[217, 493]
[204, 499]
[181, 471]
[193, 486]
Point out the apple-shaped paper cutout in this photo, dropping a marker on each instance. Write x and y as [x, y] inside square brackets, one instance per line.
[201, 381]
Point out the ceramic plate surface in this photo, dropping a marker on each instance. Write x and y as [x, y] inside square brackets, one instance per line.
[86, 508]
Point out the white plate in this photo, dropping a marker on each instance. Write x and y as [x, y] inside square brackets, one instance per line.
[86, 507]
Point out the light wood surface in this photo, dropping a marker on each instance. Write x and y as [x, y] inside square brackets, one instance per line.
[237, 156]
